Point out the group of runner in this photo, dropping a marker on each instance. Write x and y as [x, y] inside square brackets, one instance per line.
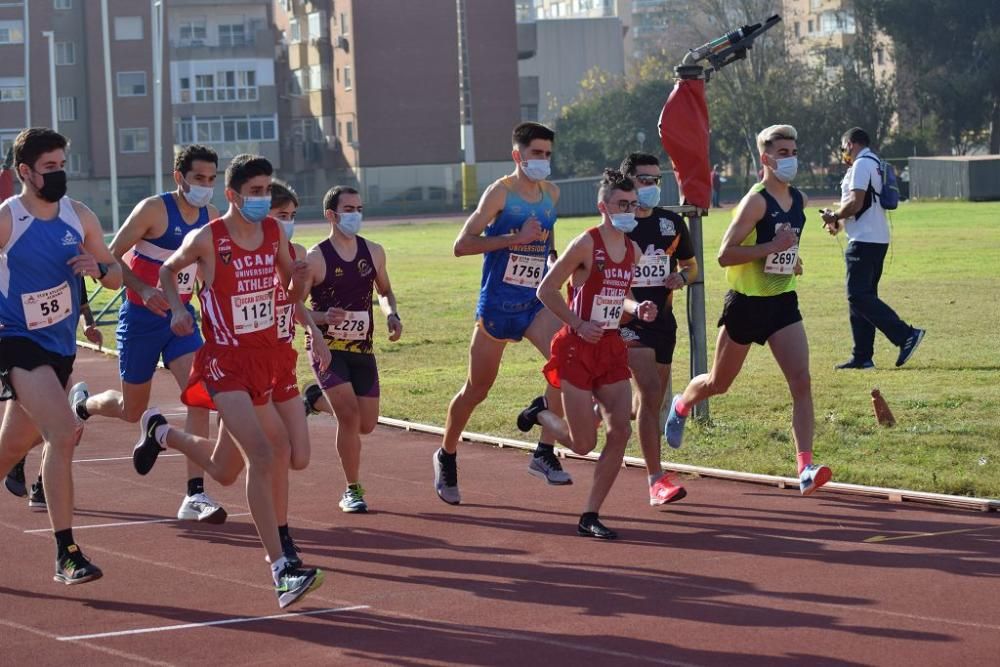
[607, 348]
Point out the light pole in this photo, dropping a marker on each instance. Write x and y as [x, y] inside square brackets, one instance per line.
[156, 23]
[51, 36]
[469, 187]
[27, 67]
[641, 138]
[110, 113]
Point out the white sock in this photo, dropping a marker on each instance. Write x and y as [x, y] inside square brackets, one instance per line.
[277, 567]
[160, 433]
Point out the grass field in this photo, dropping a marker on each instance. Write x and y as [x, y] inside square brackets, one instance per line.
[942, 274]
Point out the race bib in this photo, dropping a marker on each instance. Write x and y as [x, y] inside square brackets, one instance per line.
[354, 327]
[607, 311]
[652, 271]
[253, 312]
[524, 270]
[48, 307]
[286, 320]
[185, 279]
[782, 262]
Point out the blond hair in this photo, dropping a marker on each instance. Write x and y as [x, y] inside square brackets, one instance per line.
[771, 134]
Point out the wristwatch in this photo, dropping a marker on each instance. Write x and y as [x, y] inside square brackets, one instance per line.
[396, 315]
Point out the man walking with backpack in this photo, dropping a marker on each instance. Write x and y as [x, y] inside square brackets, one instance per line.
[867, 191]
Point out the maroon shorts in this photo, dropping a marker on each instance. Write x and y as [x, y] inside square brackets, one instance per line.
[286, 382]
[218, 369]
[587, 365]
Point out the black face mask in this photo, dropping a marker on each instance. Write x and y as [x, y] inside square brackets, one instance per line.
[53, 186]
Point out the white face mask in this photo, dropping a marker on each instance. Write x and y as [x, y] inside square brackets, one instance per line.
[536, 170]
[786, 168]
[624, 222]
[198, 195]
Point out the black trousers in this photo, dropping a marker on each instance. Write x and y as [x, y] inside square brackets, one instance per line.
[868, 311]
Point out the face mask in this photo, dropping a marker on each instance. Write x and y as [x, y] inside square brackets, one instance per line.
[198, 195]
[256, 209]
[649, 196]
[536, 170]
[786, 168]
[845, 156]
[624, 222]
[350, 222]
[289, 226]
[53, 186]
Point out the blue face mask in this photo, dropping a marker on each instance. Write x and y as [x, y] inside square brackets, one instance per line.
[624, 222]
[786, 168]
[649, 196]
[255, 209]
[536, 170]
[350, 222]
[289, 226]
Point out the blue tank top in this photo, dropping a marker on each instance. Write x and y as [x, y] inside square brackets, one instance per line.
[39, 294]
[511, 275]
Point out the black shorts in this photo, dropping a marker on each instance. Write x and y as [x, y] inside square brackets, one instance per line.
[660, 335]
[754, 319]
[29, 355]
[354, 367]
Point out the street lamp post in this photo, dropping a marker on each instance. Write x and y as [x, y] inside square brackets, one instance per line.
[51, 36]
[641, 138]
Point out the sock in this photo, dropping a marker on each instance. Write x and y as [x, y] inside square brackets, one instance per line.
[588, 517]
[39, 481]
[804, 459]
[445, 455]
[277, 567]
[64, 538]
[196, 485]
[682, 408]
[283, 532]
[81, 410]
[160, 433]
[653, 479]
[543, 448]
[355, 486]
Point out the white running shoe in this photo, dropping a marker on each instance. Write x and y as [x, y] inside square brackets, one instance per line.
[200, 507]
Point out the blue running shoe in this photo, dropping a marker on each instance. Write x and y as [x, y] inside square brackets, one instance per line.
[673, 430]
[812, 477]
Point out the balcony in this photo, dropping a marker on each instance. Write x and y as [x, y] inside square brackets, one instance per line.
[256, 44]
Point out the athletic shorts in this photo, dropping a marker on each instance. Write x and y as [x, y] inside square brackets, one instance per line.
[26, 354]
[754, 319]
[144, 337]
[587, 365]
[660, 335]
[507, 326]
[217, 369]
[354, 367]
[286, 382]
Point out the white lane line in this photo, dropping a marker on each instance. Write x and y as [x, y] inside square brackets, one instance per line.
[206, 624]
[119, 458]
[124, 523]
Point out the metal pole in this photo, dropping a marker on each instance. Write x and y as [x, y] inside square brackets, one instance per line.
[156, 24]
[696, 313]
[109, 101]
[27, 66]
[469, 187]
[51, 36]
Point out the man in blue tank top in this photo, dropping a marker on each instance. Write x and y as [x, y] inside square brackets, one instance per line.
[513, 228]
[47, 242]
[153, 231]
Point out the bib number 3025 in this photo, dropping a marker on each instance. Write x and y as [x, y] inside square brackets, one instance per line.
[524, 270]
[652, 271]
[47, 307]
[253, 312]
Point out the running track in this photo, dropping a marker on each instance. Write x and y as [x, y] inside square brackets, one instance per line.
[736, 574]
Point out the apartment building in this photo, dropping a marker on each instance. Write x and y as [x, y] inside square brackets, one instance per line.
[819, 31]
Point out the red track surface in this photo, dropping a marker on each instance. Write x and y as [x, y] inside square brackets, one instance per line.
[736, 574]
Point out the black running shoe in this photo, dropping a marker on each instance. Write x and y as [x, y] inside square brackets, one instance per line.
[15, 480]
[446, 477]
[591, 526]
[290, 551]
[147, 449]
[907, 349]
[310, 394]
[294, 583]
[36, 500]
[529, 416]
[853, 364]
[74, 568]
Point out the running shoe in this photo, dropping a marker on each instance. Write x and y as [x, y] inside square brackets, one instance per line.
[74, 568]
[78, 394]
[907, 349]
[147, 449]
[36, 500]
[546, 466]
[665, 490]
[353, 499]
[591, 526]
[528, 417]
[673, 430]
[446, 477]
[14, 481]
[310, 394]
[294, 583]
[812, 477]
[854, 364]
[291, 550]
[200, 507]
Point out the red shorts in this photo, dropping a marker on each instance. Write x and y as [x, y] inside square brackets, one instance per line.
[587, 365]
[286, 382]
[218, 369]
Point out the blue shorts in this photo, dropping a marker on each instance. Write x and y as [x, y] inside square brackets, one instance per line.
[505, 325]
[143, 337]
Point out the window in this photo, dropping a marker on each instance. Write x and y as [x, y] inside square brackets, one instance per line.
[815, 4]
[880, 56]
[11, 32]
[65, 53]
[797, 31]
[128, 28]
[232, 35]
[74, 163]
[810, 26]
[227, 86]
[11, 89]
[192, 32]
[315, 77]
[317, 28]
[62, 4]
[348, 83]
[295, 30]
[131, 84]
[350, 131]
[219, 129]
[66, 108]
[299, 81]
[133, 139]
[204, 88]
[343, 23]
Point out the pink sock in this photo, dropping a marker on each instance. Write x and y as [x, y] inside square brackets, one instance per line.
[682, 408]
[804, 459]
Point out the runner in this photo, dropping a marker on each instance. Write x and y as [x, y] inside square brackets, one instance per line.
[341, 295]
[589, 360]
[760, 253]
[513, 227]
[239, 257]
[667, 264]
[153, 231]
[48, 242]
